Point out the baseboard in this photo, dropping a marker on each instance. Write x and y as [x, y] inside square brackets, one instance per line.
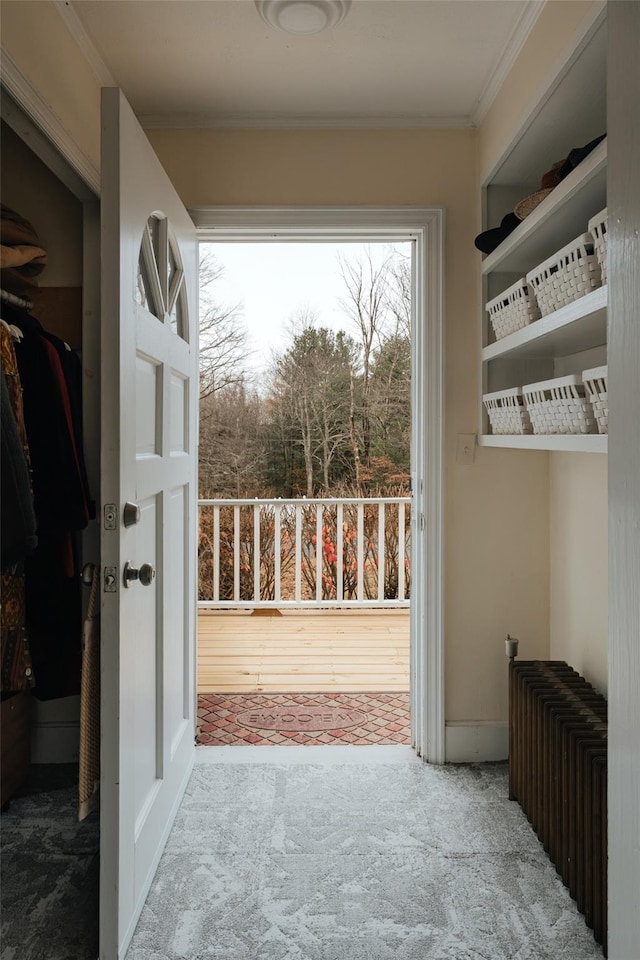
[57, 742]
[55, 730]
[476, 742]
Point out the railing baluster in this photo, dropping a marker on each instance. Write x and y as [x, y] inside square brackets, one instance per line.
[216, 553]
[339, 551]
[277, 549]
[236, 553]
[319, 552]
[298, 559]
[381, 532]
[360, 539]
[256, 552]
[401, 551]
[293, 549]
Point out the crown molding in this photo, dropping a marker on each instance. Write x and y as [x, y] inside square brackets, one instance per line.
[25, 95]
[514, 45]
[208, 121]
[88, 48]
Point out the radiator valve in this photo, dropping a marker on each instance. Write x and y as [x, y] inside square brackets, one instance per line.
[511, 647]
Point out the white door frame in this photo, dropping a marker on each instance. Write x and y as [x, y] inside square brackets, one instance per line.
[425, 227]
[623, 201]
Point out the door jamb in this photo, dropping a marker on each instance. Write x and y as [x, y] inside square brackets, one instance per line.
[425, 227]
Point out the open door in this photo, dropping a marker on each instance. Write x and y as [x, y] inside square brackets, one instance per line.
[149, 497]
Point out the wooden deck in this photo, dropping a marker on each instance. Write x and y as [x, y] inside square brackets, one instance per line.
[323, 652]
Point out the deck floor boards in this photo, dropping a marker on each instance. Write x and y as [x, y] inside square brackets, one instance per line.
[323, 652]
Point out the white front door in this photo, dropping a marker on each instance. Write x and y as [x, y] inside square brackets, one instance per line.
[149, 497]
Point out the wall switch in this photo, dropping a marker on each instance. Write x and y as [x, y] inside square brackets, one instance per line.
[466, 448]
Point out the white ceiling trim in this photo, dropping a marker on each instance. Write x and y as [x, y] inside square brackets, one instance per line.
[89, 50]
[207, 121]
[34, 106]
[514, 45]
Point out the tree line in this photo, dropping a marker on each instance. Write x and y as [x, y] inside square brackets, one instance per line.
[332, 415]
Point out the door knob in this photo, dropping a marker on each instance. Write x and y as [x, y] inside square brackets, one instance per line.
[145, 574]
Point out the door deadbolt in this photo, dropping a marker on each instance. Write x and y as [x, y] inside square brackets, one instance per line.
[145, 574]
[130, 514]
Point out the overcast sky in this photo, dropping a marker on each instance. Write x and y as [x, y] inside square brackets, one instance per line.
[273, 281]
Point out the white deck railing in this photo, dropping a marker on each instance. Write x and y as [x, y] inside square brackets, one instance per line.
[351, 552]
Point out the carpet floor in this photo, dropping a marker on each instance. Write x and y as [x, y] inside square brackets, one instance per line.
[347, 853]
[303, 718]
[50, 870]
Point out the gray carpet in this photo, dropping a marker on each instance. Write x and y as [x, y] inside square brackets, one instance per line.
[355, 858]
[50, 870]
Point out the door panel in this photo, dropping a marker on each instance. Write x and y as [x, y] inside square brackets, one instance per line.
[149, 310]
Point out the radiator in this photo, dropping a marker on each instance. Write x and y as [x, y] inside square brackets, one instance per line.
[558, 775]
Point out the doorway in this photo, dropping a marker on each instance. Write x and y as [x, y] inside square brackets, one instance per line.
[304, 493]
[421, 230]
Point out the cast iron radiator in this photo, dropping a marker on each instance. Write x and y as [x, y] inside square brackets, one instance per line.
[558, 774]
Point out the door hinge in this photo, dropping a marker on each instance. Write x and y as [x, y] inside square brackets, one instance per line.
[110, 579]
[110, 516]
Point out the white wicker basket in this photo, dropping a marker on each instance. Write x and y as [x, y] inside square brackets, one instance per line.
[507, 412]
[514, 309]
[559, 406]
[598, 230]
[566, 276]
[595, 381]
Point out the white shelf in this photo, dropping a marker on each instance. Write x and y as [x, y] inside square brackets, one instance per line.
[574, 443]
[573, 112]
[562, 216]
[579, 326]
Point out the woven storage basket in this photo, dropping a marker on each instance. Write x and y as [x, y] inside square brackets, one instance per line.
[513, 309]
[566, 276]
[559, 406]
[507, 412]
[598, 229]
[595, 382]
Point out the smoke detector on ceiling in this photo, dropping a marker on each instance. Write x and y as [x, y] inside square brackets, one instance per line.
[303, 18]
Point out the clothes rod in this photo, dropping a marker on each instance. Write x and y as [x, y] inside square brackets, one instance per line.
[16, 301]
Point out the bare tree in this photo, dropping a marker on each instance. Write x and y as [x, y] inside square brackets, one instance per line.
[399, 293]
[366, 304]
[223, 336]
[231, 449]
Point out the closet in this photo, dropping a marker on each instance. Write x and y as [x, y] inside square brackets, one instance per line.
[50, 823]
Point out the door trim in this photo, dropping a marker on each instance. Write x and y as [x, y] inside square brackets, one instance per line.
[48, 130]
[425, 227]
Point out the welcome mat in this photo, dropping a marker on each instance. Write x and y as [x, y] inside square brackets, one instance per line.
[303, 718]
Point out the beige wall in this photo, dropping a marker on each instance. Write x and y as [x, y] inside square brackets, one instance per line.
[37, 39]
[500, 502]
[578, 521]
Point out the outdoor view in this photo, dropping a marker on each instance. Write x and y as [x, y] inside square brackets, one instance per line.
[304, 514]
[306, 398]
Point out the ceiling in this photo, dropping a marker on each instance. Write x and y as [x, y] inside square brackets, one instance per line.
[216, 63]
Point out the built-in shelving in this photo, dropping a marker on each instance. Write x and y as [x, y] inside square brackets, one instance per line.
[561, 217]
[579, 326]
[569, 115]
[575, 443]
